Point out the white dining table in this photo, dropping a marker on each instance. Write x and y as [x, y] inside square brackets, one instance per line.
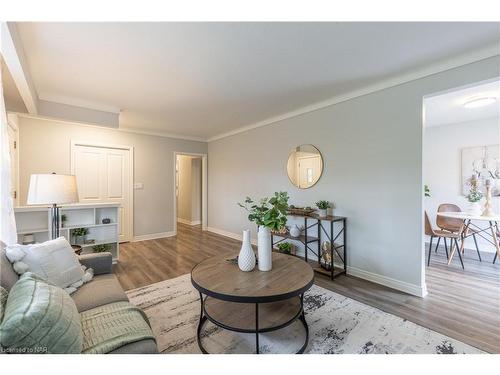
[493, 225]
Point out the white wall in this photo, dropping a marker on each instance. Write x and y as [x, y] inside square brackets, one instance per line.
[442, 164]
[44, 147]
[372, 149]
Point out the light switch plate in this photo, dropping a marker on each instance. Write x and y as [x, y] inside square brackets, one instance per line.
[138, 185]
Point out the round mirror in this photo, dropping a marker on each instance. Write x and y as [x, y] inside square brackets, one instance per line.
[304, 166]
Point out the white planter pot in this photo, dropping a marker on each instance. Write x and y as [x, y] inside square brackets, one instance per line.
[264, 249]
[295, 231]
[322, 212]
[246, 257]
[474, 208]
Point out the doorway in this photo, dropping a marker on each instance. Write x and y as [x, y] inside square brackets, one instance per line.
[190, 192]
[104, 174]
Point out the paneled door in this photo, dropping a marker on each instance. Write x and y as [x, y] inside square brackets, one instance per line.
[103, 176]
[309, 170]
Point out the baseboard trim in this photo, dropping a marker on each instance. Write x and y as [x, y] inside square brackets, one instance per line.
[187, 222]
[153, 236]
[419, 291]
[232, 235]
[403, 286]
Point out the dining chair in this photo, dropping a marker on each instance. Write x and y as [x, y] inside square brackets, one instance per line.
[453, 225]
[439, 233]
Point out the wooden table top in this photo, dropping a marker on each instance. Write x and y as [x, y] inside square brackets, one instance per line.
[222, 279]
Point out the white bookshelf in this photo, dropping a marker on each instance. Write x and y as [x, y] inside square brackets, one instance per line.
[36, 220]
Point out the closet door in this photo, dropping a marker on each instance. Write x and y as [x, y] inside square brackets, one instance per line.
[103, 176]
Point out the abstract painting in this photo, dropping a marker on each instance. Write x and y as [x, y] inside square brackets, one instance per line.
[484, 163]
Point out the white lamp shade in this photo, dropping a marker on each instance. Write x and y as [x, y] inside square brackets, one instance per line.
[52, 189]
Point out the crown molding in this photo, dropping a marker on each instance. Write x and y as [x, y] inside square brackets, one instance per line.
[120, 129]
[75, 102]
[464, 59]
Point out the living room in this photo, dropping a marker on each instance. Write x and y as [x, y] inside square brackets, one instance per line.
[154, 169]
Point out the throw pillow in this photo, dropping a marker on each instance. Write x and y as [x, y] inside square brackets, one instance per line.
[3, 301]
[40, 318]
[54, 261]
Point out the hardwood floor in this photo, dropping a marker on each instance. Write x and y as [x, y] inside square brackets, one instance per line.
[464, 305]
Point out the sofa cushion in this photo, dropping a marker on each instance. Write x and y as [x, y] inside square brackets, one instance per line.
[101, 290]
[40, 318]
[8, 277]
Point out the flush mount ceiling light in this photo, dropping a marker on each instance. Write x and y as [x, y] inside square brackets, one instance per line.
[479, 102]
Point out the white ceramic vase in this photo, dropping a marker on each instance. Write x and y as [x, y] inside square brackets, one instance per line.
[295, 231]
[264, 249]
[246, 257]
[474, 208]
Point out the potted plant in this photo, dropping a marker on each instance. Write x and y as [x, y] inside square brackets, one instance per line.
[79, 234]
[323, 207]
[101, 248]
[270, 215]
[285, 247]
[474, 198]
[64, 218]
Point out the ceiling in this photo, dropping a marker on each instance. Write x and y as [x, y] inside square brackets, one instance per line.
[206, 79]
[448, 108]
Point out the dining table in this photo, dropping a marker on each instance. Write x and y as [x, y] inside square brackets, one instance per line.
[488, 231]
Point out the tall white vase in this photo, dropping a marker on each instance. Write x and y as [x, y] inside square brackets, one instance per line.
[246, 257]
[264, 249]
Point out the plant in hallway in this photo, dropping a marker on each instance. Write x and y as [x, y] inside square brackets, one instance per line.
[323, 207]
[270, 215]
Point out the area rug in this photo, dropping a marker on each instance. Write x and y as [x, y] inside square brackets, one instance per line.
[337, 325]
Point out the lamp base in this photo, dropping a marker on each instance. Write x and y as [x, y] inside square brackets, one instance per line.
[55, 221]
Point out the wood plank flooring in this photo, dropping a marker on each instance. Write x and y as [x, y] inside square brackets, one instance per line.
[464, 305]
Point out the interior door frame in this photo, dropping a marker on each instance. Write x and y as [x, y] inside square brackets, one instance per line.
[204, 188]
[74, 144]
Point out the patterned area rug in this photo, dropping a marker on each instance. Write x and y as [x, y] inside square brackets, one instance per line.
[337, 325]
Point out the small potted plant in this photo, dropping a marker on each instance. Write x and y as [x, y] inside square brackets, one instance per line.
[285, 248]
[474, 199]
[323, 207]
[427, 191]
[64, 218]
[101, 248]
[79, 234]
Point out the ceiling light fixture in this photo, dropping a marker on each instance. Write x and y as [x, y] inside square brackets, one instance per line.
[479, 102]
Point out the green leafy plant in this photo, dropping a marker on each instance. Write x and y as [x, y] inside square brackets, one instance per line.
[323, 205]
[79, 232]
[474, 194]
[101, 248]
[64, 218]
[268, 212]
[427, 191]
[285, 247]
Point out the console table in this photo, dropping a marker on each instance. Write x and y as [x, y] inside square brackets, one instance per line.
[337, 239]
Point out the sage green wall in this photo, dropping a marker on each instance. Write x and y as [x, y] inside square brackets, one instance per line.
[372, 149]
[44, 147]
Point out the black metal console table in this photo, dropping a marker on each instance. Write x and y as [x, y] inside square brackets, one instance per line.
[337, 239]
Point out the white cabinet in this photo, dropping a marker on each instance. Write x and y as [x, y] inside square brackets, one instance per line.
[36, 221]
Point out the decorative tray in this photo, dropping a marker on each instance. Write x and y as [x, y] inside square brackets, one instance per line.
[301, 211]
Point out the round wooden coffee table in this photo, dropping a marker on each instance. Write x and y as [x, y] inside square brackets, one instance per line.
[252, 302]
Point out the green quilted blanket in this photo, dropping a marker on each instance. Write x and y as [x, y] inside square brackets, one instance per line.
[106, 328]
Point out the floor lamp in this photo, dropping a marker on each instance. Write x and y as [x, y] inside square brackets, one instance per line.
[53, 189]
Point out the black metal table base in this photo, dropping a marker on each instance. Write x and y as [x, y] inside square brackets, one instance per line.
[204, 317]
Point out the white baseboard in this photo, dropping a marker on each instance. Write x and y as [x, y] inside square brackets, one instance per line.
[153, 236]
[419, 291]
[232, 235]
[187, 222]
